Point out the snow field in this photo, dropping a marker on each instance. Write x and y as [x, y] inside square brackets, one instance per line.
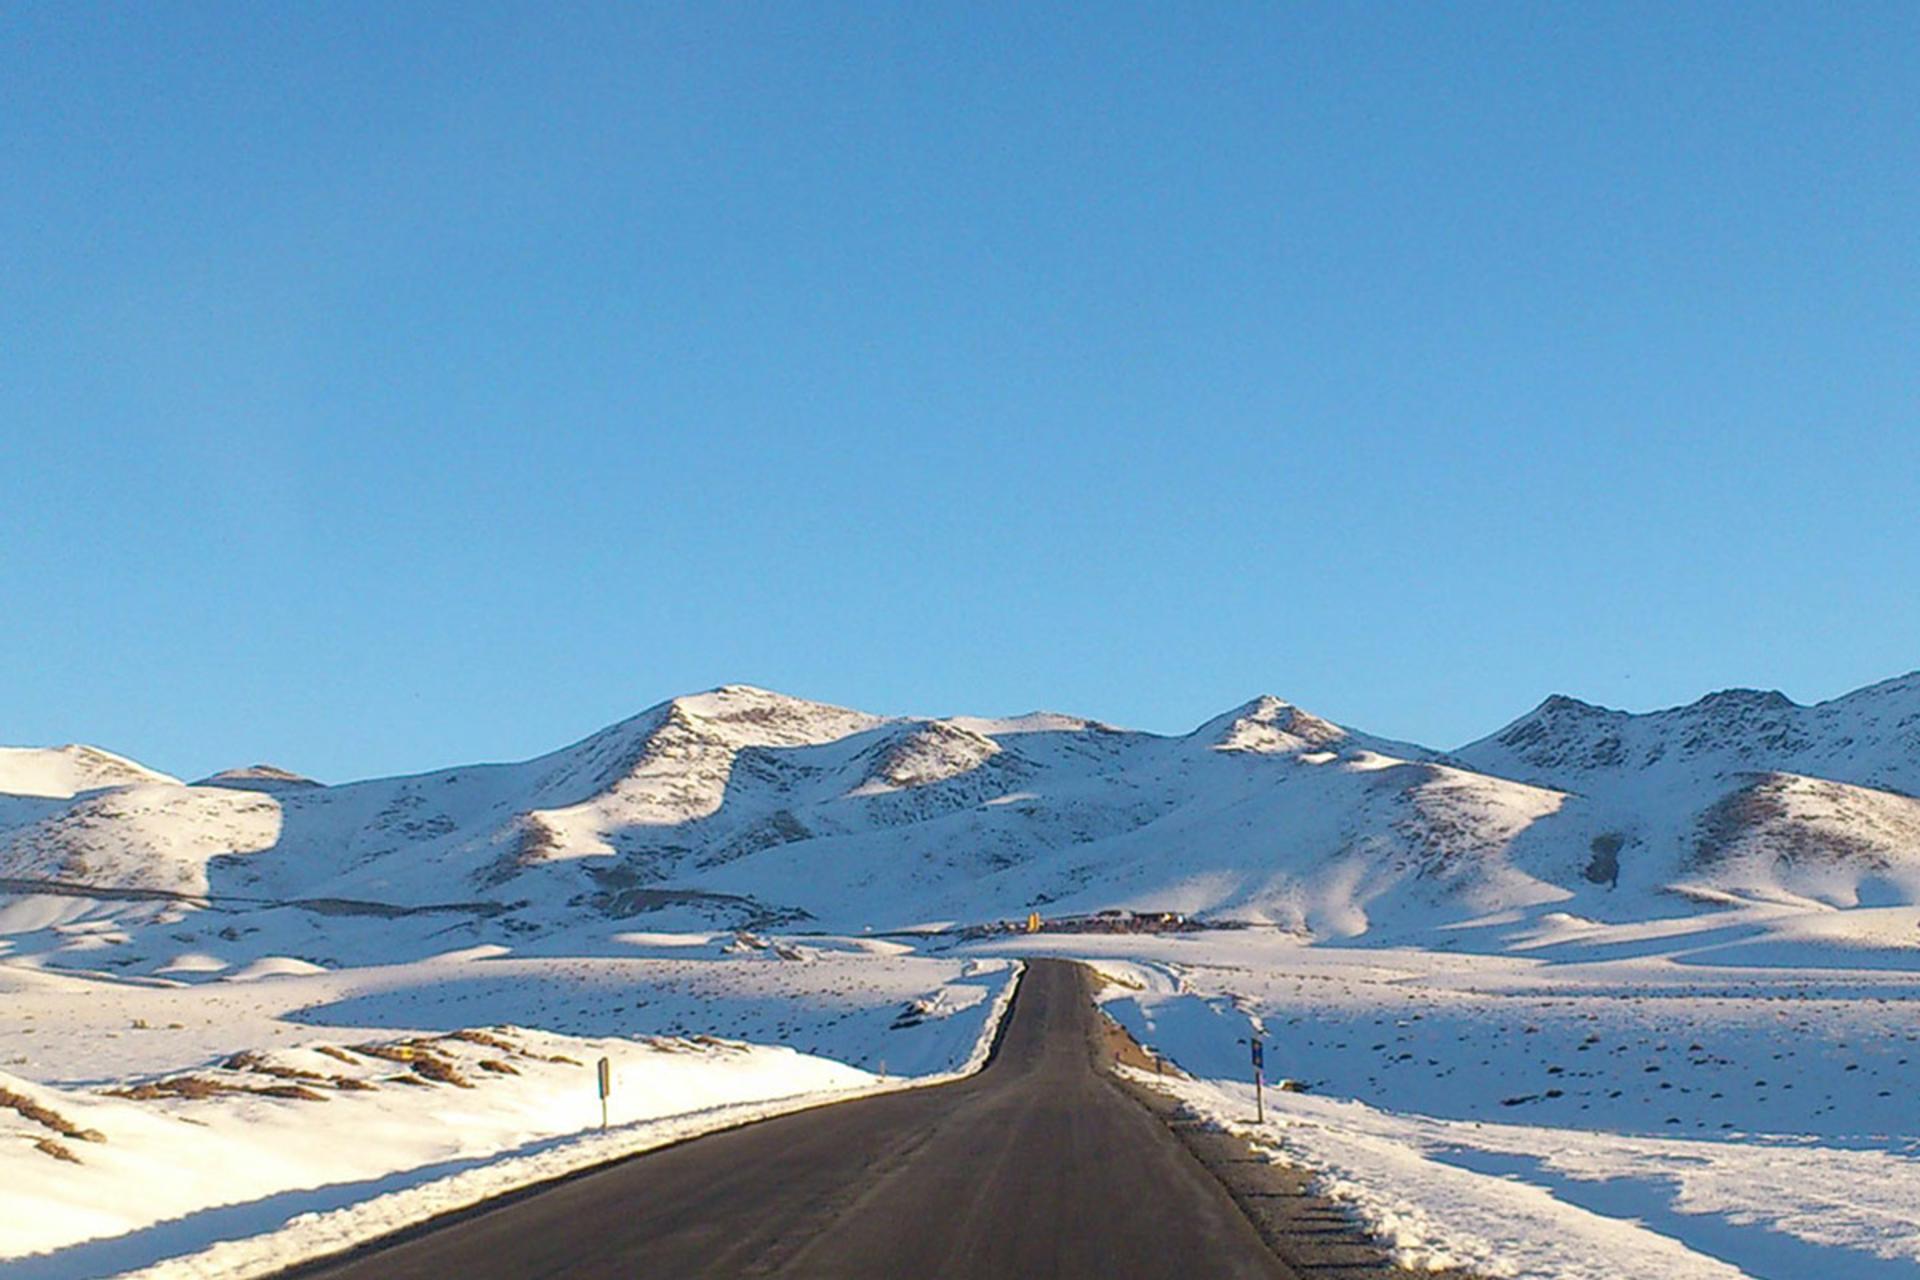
[309, 1111]
[1593, 1120]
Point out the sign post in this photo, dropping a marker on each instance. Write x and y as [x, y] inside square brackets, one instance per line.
[1259, 1080]
[606, 1087]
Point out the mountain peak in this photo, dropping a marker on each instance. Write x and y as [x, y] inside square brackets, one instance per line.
[258, 777]
[1270, 725]
[778, 718]
[1567, 704]
[1556, 713]
[1266, 707]
[1744, 699]
[69, 770]
[927, 751]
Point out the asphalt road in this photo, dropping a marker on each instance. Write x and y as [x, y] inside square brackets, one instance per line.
[1038, 1166]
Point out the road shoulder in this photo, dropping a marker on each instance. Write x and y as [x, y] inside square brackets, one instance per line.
[1310, 1233]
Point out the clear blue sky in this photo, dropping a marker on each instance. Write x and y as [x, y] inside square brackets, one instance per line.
[384, 387]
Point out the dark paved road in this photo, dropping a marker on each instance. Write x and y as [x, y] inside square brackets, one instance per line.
[1036, 1167]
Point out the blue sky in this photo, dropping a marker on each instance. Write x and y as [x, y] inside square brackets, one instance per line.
[384, 388]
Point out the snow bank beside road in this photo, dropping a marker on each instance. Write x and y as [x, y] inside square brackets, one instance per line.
[194, 1157]
[1565, 1122]
[261, 1158]
[1556, 1204]
[317, 1235]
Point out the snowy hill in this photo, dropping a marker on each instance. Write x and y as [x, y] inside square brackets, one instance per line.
[37, 785]
[1782, 835]
[145, 836]
[63, 772]
[1743, 795]
[745, 807]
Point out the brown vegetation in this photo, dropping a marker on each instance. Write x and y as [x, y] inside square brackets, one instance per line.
[56, 1150]
[196, 1088]
[426, 1060]
[485, 1038]
[419, 1056]
[250, 1061]
[47, 1117]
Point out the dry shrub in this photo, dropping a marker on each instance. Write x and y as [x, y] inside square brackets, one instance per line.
[194, 1087]
[669, 1044]
[55, 1150]
[498, 1067]
[387, 1052]
[250, 1061]
[422, 1058]
[46, 1116]
[440, 1070]
[485, 1038]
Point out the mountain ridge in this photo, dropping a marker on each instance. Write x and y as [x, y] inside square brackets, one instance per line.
[738, 803]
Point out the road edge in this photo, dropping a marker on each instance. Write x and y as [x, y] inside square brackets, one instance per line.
[1308, 1232]
[205, 1264]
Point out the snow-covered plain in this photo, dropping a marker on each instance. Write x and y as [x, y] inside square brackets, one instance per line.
[1585, 1118]
[1597, 989]
[230, 1124]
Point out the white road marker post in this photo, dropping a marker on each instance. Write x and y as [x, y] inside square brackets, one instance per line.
[606, 1087]
[1259, 1079]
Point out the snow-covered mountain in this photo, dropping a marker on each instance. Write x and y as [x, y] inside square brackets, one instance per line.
[151, 835]
[64, 772]
[1870, 737]
[1743, 793]
[81, 814]
[744, 806]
